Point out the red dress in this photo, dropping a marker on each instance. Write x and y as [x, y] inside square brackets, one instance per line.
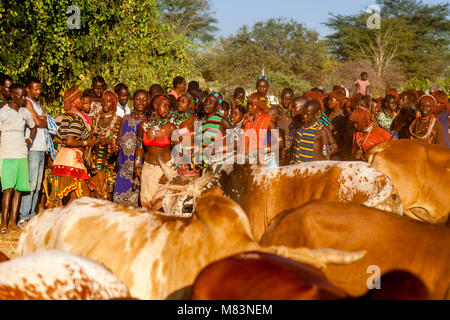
[261, 122]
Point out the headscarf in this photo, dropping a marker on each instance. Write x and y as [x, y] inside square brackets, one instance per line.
[113, 96]
[70, 96]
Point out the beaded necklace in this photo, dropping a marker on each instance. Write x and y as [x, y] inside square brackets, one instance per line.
[288, 113]
[156, 124]
[418, 132]
[180, 118]
[107, 131]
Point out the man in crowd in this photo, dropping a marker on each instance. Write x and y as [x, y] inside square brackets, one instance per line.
[5, 84]
[14, 117]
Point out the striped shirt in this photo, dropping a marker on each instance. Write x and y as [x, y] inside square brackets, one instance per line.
[304, 143]
[210, 131]
[72, 125]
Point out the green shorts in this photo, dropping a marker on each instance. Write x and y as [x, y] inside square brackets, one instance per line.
[15, 175]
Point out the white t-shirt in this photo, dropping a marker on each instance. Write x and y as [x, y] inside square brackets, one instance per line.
[39, 140]
[12, 126]
[122, 111]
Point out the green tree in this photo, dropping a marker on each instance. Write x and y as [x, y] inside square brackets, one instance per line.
[285, 49]
[122, 40]
[411, 32]
[192, 18]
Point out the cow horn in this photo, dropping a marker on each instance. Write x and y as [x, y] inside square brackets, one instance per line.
[317, 257]
[169, 172]
[203, 181]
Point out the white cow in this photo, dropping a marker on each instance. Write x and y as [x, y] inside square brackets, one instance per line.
[58, 275]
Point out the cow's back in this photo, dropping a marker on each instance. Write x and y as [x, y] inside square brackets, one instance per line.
[115, 236]
[392, 243]
[421, 174]
[263, 193]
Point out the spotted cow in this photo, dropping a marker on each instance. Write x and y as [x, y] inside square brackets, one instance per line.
[58, 275]
[156, 256]
[264, 192]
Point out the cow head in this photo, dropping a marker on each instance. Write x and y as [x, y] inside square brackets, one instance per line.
[181, 192]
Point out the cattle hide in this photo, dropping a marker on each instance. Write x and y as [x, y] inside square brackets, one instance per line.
[153, 254]
[391, 242]
[421, 174]
[263, 193]
[58, 275]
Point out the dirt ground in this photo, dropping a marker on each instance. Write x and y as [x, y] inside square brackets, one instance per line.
[8, 244]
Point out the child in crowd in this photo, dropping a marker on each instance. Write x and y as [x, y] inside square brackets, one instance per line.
[362, 85]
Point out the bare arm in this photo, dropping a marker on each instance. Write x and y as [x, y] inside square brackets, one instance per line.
[40, 121]
[73, 142]
[139, 151]
[30, 140]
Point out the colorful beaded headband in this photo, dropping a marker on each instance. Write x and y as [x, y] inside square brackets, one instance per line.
[218, 96]
[265, 78]
[190, 97]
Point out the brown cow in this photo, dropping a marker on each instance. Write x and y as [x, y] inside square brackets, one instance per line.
[58, 275]
[392, 243]
[263, 276]
[263, 193]
[421, 174]
[155, 256]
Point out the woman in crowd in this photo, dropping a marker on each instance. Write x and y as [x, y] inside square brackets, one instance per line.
[442, 112]
[126, 190]
[213, 131]
[367, 133]
[258, 123]
[104, 153]
[98, 87]
[335, 104]
[70, 176]
[389, 111]
[154, 139]
[427, 127]
[184, 120]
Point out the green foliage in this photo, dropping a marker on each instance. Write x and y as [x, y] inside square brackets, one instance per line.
[424, 84]
[411, 32]
[122, 40]
[192, 18]
[284, 49]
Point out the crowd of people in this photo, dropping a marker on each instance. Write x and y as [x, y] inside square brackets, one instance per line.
[102, 147]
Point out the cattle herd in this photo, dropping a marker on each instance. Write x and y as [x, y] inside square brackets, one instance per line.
[243, 232]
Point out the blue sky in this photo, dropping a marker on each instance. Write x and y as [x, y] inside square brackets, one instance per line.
[232, 14]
